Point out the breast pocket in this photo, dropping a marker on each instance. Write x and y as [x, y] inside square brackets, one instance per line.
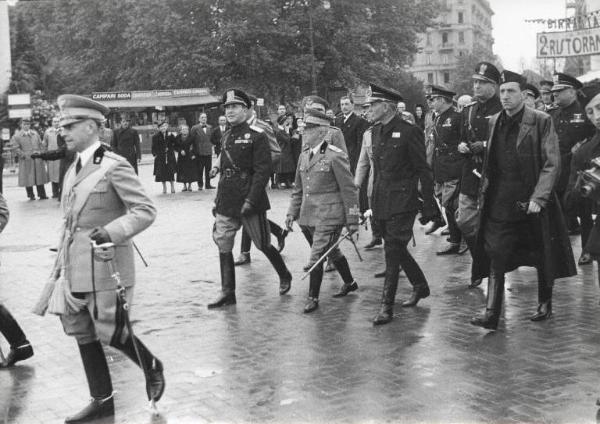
[98, 195]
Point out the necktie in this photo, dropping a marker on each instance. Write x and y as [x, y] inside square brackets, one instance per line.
[78, 166]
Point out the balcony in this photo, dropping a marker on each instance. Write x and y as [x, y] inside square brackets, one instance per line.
[446, 47]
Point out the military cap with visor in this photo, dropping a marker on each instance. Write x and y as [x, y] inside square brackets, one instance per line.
[74, 108]
[564, 81]
[438, 91]
[235, 96]
[377, 94]
[546, 86]
[485, 71]
[532, 90]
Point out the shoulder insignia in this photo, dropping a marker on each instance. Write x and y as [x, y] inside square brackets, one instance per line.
[256, 128]
[334, 148]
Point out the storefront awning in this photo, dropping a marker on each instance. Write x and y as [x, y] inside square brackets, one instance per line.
[156, 98]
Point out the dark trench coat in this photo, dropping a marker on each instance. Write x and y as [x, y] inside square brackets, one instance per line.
[539, 159]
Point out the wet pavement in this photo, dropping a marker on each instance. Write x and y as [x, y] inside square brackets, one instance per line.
[263, 360]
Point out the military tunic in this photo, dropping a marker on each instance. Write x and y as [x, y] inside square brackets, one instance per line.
[447, 162]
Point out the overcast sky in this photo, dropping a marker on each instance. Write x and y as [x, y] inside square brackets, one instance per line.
[514, 40]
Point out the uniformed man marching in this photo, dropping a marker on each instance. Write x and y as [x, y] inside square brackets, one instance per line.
[245, 167]
[572, 127]
[323, 201]
[399, 163]
[103, 200]
[474, 134]
[447, 161]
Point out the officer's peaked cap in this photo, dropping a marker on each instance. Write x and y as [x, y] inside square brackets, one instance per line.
[563, 81]
[485, 71]
[74, 108]
[236, 96]
[376, 94]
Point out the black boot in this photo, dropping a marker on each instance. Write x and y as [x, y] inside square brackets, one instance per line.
[415, 275]
[243, 259]
[489, 319]
[155, 380]
[350, 285]
[316, 276]
[20, 348]
[544, 309]
[285, 277]
[386, 313]
[99, 382]
[227, 296]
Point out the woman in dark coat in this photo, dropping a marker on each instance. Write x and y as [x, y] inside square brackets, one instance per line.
[187, 170]
[163, 150]
[286, 170]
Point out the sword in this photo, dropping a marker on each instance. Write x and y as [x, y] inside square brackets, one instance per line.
[139, 253]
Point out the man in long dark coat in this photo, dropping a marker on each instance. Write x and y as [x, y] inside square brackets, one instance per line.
[522, 223]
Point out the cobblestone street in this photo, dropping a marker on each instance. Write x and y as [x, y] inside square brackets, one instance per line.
[263, 360]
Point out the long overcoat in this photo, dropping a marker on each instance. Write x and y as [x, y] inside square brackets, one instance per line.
[539, 160]
[31, 171]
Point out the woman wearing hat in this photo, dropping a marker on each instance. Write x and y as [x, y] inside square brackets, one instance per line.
[163, 150]
[187, 171]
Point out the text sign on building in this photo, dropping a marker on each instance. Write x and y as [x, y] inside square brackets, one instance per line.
[112, 95]
[568, 44]
[19, 99]
[19, 113]
[5, 134]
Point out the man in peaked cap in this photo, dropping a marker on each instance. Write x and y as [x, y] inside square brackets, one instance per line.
[572, 127]
[447, 161]
[474, 134]
[546, 94]
[399, 165]
[521, 222]
[245, 167]
[103, 201]
[531, 94]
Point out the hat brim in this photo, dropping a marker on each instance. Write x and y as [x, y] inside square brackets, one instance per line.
[236, 102]
[483, 78]
[560, 87]
[71, 120]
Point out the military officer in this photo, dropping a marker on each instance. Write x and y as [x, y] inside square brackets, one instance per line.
[531, 95]
[323, 201]
[546, 94]
[447, 161]
[571, 126]
[103, 200]
[399, 163]
[474, 134]
[245, 167]
[521, 223]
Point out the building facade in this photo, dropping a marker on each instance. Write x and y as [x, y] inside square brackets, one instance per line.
[463, 26]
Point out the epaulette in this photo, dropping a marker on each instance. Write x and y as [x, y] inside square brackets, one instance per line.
[109, 155]
[334, 148]
[256, 128]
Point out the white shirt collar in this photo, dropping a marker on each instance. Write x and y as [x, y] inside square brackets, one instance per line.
[348, 116]
[316, 149]
[87, 154]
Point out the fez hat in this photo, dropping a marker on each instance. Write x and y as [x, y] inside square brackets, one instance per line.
[509, 76]
[438, 91]
[74, 108]
[235, 96]
[485, 71]
[563, 81]
[532, 90]
[376, 94]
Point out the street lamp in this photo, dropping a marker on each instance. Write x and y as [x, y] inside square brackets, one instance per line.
[311, 37]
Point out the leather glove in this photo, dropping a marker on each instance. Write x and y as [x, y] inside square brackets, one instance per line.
[36, 155]
[289, 222]
[477, 147]
[463, 148]
[247, 209]
[100, 235]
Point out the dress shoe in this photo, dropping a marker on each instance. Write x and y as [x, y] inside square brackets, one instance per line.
[243, 259]
[156, 381]
[584, 259]
[31, 197]
[223, 300]
[199, 188]
[544, 311]
[488, 320]
[346, 288]
[285, 283]
[380, 274]
[374, 242]
[434, 227]
[451, 249]
[209, 187]
[384, 315]
[43, 198]
[475, 283]
[417, 294]
[97, 408]
[17, 354]
[281, 240]
[311, 304]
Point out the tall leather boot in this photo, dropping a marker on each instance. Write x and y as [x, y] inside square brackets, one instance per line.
[245, 246]
[390, 285]
[350, 285]
[489, 319]
[20, 348]
[227, 296]
[155, 380]
[544, 309]
[99, 382]
[415, 275]
[285, 277]
[316, 277]
[471, 244]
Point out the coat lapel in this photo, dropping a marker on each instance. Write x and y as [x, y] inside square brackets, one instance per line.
[527, 123]
[89, 167]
